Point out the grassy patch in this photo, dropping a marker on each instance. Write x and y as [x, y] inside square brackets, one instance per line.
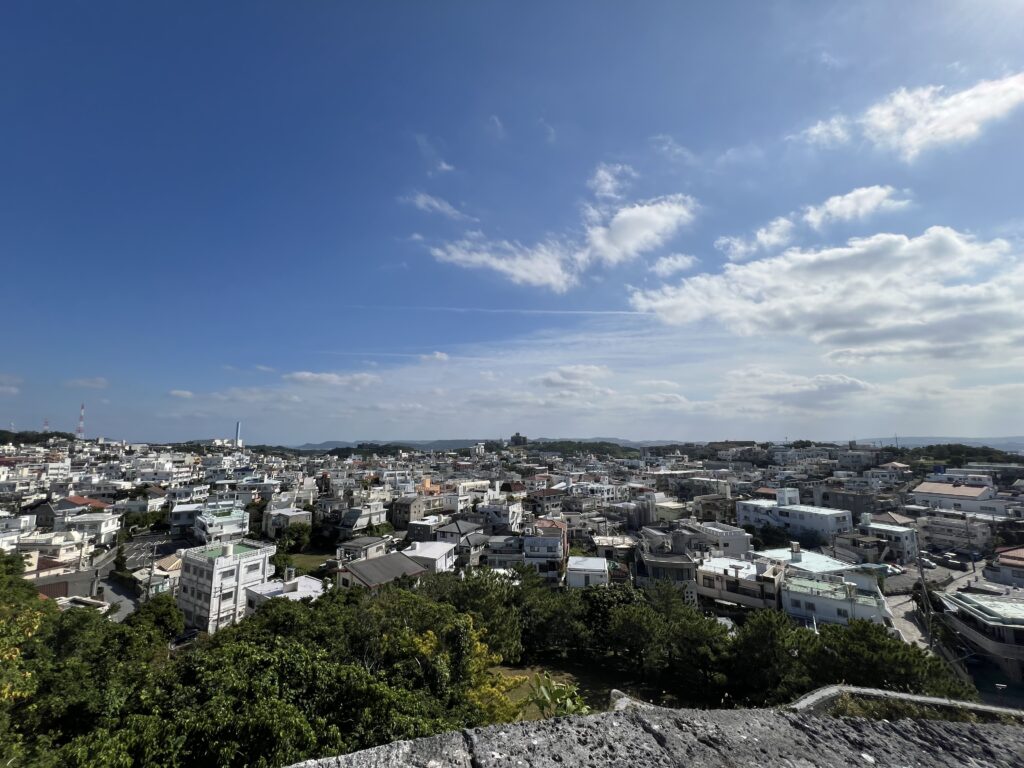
[595, 685]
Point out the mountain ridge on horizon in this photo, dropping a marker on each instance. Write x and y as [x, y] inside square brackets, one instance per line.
[1010, 443]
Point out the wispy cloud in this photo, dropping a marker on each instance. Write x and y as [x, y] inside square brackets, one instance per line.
[855, 205]
[432, 157]
[435, 357]
[610, 179]
[667, 266]
[777, 233]
[9, 384]
[550, 134]
[911, 120]
[496, 127]
[96, 382]
[353, 380]
[432, 204]
[182, 394]
[887, 296]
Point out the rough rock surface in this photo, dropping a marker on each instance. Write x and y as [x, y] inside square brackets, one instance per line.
[650, 737]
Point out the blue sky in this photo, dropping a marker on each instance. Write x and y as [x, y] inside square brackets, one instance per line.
[417, 220]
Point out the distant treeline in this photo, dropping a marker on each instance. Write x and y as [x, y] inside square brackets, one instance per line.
[32, 438]
[957, 454]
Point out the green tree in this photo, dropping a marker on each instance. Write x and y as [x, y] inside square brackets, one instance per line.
[159, 614]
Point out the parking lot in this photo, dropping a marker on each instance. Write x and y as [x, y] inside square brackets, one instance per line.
[139, 551]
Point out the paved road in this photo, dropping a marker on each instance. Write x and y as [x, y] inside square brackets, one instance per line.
[138, 551]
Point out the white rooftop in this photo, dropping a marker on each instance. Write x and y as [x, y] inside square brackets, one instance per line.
[728, 565]
[587, 563]
[813, 562]
[296, 589]
[435, 550]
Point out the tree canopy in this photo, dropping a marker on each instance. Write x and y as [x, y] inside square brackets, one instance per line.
[354, 669]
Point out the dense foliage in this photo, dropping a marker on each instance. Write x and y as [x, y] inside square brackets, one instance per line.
[957, 454]
[352, 669]
[32, 438]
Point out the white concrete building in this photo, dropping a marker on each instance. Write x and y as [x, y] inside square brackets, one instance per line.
[993, 625]
[787, 513]
[901, 541]
[981, 499]
[214, 579]
[435, 556]
[221, 523]
[501, 516]
[290, 588]
[752, 583]
[68, 547]
[831, 599]
[587, 572]
[99, 528]
[1007, 567]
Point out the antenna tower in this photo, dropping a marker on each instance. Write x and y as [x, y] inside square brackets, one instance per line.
[46, 426]
[80, 434]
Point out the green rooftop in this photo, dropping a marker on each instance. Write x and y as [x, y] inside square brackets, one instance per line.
[240, 549]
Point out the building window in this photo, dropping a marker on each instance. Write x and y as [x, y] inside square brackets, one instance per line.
[252, 568]
[842, 613]
[795, 603]
[810, 606]
[251, 603]
[709, 582]
[227, 596]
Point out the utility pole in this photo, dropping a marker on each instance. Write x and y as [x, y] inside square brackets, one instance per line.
[149, 580]
[927, 601]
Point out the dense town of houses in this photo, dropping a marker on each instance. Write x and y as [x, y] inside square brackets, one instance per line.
[811, 531]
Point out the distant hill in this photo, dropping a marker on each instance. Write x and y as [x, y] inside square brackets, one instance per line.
[1008, 444]
[456, 443]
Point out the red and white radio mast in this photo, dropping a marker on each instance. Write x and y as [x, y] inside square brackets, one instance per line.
[80, 434]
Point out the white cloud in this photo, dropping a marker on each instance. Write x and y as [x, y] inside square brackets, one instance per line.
[496, 127]
[9, 384]
[910, 121]
[183, 394]
[667, 266]
[543, 265]
[775, 234]
[673, 150]
[826, 133]
[435, 163]
[352, 380]
[611, 236]
[658, 384]
[576, 379]
[639, 228]
[550, 134]
[609, 179]
[264, 368]
[432, 204]
[888, 294]
[437, 357]
[855, 205]
[96, 382]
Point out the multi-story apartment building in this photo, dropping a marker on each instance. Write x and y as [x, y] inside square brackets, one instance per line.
[752, 583]
[546, 547]
[980, 499]
[947, 529]
[797, 519]
[221, 522]
[99, 528]
[214, 579]
[832, 599]
[993, 625]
